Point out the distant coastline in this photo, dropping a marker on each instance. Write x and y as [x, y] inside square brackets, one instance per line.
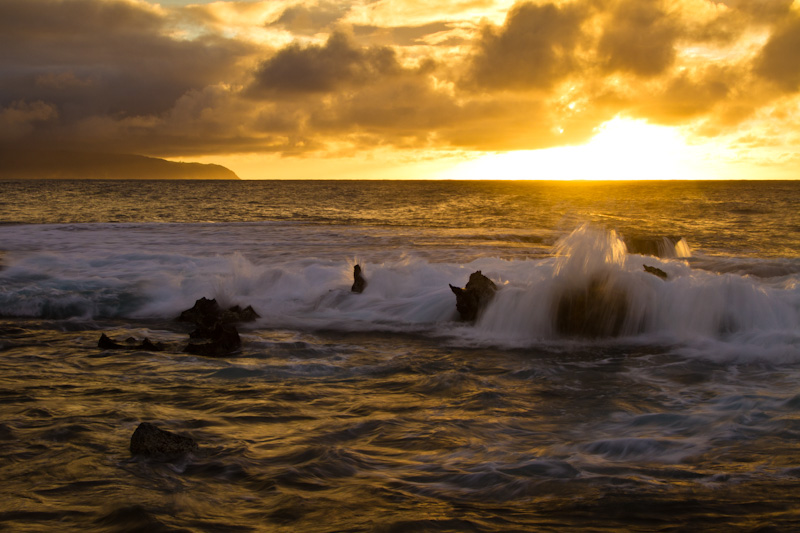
[57, 164]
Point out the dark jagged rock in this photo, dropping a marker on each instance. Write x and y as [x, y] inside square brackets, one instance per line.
[107, 343]
[596, 310]
[215, 325]
[359, 283]
[207, 313]
[655, 271]
[223, 339]
[203, 310]
[475, 296]
[150, 440]
[150, 347]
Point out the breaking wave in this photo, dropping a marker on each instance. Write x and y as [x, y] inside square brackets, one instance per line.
[592, 288]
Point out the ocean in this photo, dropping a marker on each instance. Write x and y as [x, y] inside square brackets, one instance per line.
[589, 394]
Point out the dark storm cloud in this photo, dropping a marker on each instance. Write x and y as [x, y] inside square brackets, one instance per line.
[403, 109]
[779, 60]
[533, 49]
[90, 58]
[339, 63]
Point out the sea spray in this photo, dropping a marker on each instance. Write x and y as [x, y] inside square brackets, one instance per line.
[588, 290]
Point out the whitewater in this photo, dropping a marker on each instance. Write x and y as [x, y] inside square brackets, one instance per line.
[589, 394]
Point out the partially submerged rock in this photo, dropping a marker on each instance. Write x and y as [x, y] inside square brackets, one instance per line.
[223, 339]
[475, 296]
[655, 271]
[152, 441]
[107, 343]
[359, 283]
[207, 312]
[215, 325]
[597, 309]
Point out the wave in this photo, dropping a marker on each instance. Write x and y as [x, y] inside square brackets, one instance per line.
[593, 288]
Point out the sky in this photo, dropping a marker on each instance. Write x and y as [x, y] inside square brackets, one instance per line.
[462, 89]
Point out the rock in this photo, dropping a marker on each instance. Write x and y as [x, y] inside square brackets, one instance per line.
[359, 283]
[223, 340]
[595, 310]
[150, 440]
[655, 271]
[150, 347]
[203, 311]
[475, 296]
[215, 325]
[207, 313]
[107, 343]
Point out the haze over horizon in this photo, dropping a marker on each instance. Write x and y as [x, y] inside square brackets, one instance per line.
[587, 89]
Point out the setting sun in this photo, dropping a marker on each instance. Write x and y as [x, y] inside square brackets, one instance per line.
[622, 149]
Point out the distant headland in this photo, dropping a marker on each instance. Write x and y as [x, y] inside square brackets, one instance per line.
[58, 164]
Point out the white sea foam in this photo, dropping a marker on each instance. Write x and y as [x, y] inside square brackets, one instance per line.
[155, 272]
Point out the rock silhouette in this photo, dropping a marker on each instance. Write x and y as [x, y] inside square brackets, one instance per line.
[215, 325]
[107, 343]
[475, 296]
[359, 283]
[208, 312]
[655, 271]
[152, 441]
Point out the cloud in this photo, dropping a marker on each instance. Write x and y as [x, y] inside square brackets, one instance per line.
[103, 74]
[297, 70]
[90, 57]
[534, 49]
[309, 19]
[639, 38]
[336, 77]
[779, 60]
[19, 118]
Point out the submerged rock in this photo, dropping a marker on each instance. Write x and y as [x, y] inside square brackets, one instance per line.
[150, 440]
[595, 310]
[475, 296]
[359, 283]
[655, 271]
[223, 339]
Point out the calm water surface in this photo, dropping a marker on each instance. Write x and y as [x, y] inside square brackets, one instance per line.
[382, 411]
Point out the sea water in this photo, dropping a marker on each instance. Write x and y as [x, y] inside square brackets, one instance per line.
[589, 394]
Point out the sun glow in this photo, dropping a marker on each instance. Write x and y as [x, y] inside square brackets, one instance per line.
[622, 149]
